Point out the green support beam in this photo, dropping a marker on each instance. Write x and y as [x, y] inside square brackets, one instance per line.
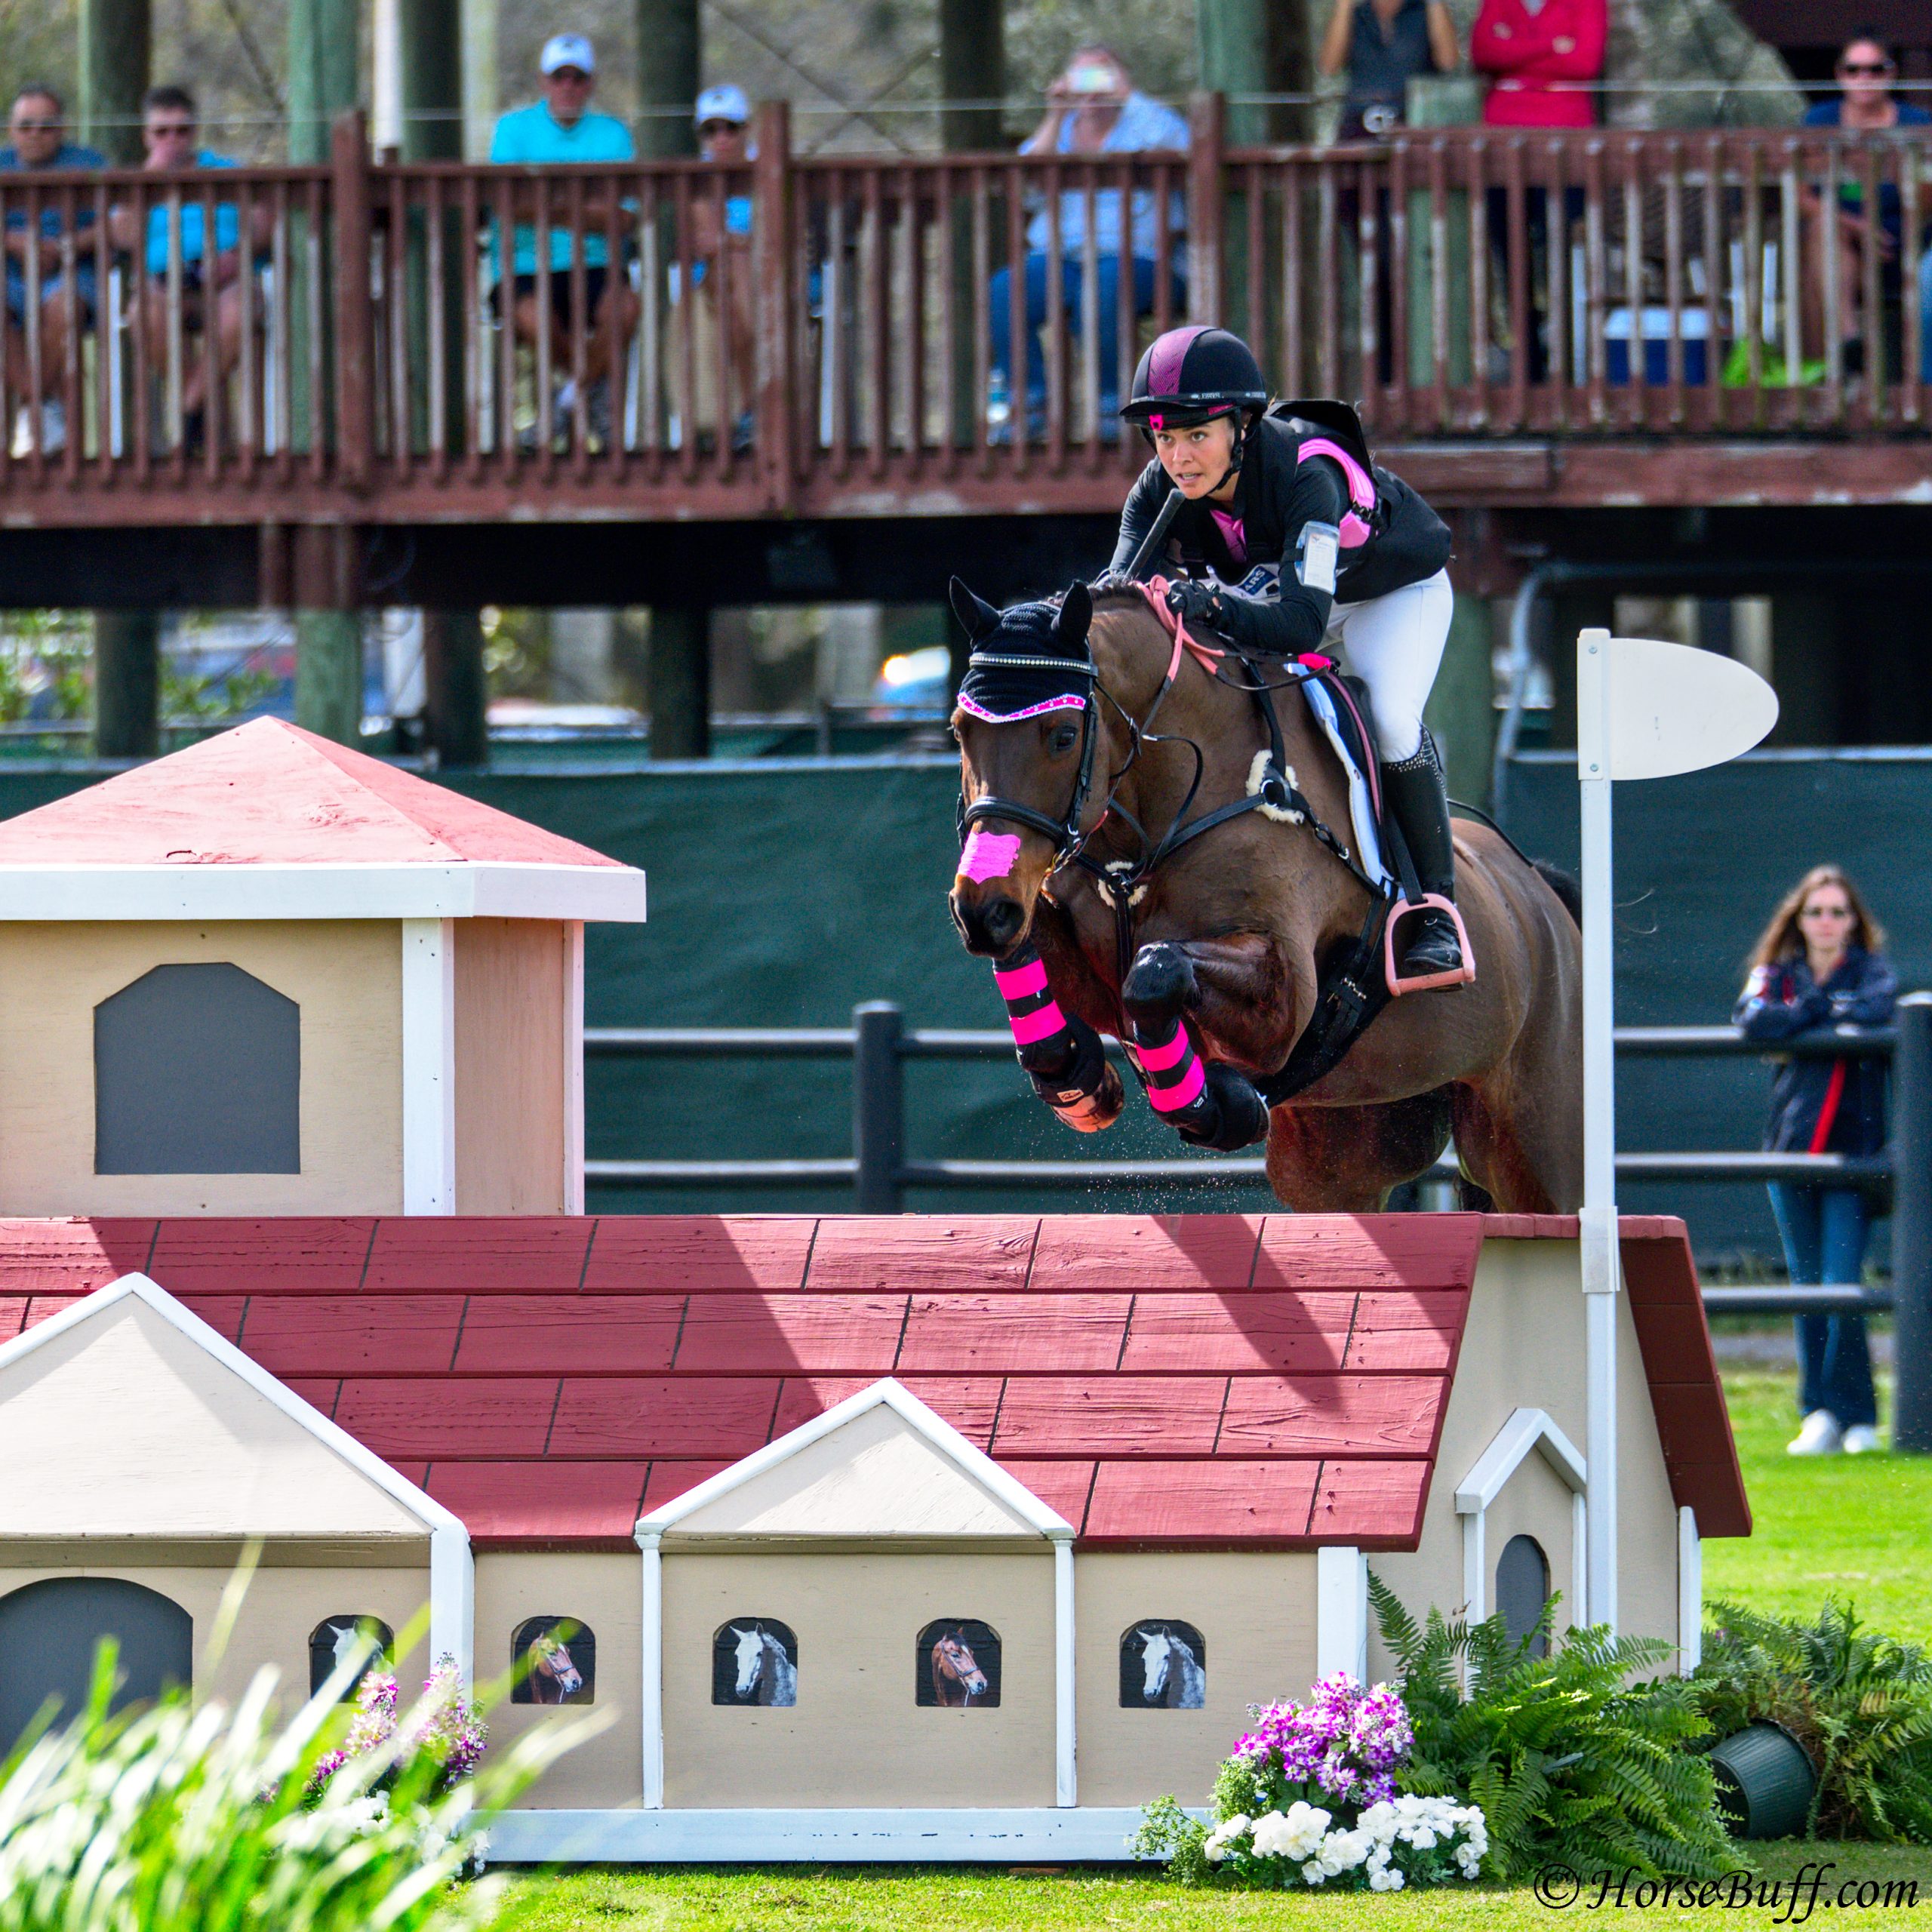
[116, 55]
[325, 73]
[455, 700]
[1255, 47]
[669, 53]
[432, 37]
[680, 682]
[972, 67]
[127, 684]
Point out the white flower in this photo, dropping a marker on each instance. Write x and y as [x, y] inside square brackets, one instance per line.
[1222, 1835]
[1421, 1837]
[1313, 1872]
[1293, 1835]
[1343, 1851]
[1389, 1879]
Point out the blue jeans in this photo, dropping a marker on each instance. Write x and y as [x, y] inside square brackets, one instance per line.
[1823, 1232]
[999, 321]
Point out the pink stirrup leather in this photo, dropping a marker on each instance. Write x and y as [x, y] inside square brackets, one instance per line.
[1424, 983]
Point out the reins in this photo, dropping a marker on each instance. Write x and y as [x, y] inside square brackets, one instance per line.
[1122, 883]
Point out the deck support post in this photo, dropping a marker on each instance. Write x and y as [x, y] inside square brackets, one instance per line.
[116, 57]
[669, 69]
[455, 700]
[127, 684]
[680, 680]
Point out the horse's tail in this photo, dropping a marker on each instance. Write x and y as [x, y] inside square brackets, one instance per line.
[1565, 885]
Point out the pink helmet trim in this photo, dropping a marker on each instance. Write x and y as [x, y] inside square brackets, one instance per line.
[1354, 526]
[1165, 359]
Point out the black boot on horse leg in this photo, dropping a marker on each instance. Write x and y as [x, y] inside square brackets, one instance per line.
[1062, 1056]
[1433, 950]
[1210, 1104]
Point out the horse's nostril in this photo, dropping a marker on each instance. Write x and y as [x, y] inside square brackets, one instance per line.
[1002, 921]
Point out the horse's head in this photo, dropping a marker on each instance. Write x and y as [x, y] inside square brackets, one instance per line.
[1157, 1653]
[953, 1656]
[551, 1666]
[750, 1656]
[1027, 770]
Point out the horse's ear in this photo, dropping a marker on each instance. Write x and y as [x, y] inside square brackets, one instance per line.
[979, 617]
[1076, 613]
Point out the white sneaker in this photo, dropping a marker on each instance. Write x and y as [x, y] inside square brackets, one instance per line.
[1819, 1435]
[1861, 1439]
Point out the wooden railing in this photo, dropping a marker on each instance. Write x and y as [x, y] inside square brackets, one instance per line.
[824, 335]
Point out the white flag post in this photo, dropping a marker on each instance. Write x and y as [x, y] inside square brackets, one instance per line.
[1644, 710]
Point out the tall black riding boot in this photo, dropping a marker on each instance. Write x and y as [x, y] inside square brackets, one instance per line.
[1420, 800]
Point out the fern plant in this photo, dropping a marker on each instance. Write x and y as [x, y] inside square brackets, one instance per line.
[1859, 1703]
[1568, 1757]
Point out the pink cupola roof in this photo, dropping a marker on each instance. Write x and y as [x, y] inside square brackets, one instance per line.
[272, 813]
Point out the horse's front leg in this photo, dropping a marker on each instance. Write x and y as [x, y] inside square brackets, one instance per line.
[1236, 992]
[1062, 1055]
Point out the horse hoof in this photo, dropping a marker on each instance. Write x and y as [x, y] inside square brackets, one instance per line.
[1232, 1114]
[1159, 984]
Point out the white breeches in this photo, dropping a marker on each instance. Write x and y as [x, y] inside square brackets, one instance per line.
[1394, 644]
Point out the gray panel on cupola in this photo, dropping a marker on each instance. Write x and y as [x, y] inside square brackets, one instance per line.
[197, 1070]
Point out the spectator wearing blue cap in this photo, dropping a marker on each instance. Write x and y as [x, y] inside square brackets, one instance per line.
[563, 126]
[721, 252]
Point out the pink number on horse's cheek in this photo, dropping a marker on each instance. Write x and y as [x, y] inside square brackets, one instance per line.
[989, 855]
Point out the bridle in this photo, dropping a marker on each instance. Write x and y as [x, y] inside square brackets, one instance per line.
[1120, 883]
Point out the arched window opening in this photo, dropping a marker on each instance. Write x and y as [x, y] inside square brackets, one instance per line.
[555, 1661]
[50, 1631]
[956, 1663]
[1163, 1666]
[1522, 1588]
[754, 1660]
[351, 1634]
[197, 1070]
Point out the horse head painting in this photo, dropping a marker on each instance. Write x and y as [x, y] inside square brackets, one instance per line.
[551, 1674]
[1172, 1675]
[1195, 890]
[958, 1680]
[764, 1674]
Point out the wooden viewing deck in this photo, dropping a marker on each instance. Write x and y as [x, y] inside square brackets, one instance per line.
[377, 385]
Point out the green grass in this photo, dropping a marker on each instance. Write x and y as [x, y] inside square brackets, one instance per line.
[1858, 1527]
[1852, 1526]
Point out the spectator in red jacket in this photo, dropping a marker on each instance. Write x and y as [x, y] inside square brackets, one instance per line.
[1543, 53]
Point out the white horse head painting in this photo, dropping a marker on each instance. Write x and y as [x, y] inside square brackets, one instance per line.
[1173, 1678]
[765, 1675]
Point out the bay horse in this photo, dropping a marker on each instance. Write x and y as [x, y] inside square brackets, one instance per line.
[958, 1680]
[554, 1677]
[1231, 932]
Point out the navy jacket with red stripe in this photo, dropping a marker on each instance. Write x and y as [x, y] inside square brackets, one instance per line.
[1821, 1106]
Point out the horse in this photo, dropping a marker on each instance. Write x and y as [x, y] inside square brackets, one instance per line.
[1226, 937]
[1175, 1679]
[763, 1667]
[957, 1678]
[554, 1679]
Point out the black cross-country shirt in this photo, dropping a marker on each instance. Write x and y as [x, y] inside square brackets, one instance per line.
[1250, 544]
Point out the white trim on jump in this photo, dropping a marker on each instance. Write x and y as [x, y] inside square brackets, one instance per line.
[452, 1570]
[573, 1067]
[1341, 1611]
[1527, 1430]
[429, 1066]
[463, 890]
[886, 1393]
[1690, 1593]
[1017, 1835]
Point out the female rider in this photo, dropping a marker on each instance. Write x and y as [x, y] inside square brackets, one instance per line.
[1289, 539]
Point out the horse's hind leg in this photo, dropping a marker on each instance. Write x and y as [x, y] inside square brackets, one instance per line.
[1344, 1160]
[1211, 1103]
[1527, 1158]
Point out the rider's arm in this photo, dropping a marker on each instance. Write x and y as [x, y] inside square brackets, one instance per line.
[1137, 515]
[1317, 501]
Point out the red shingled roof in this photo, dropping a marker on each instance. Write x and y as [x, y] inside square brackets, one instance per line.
[1196, 1379]
[268, 793]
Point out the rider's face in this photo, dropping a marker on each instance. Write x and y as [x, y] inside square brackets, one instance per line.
[1197, 458]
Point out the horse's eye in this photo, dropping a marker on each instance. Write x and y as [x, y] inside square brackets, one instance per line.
[1064, 738]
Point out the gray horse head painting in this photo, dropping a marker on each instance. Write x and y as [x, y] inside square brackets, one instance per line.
[763, 1671]
[1172, 1671]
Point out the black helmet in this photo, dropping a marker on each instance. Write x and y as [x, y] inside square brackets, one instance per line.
[1192, 374]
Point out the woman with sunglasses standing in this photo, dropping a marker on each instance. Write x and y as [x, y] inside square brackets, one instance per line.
[1864, 104]
[1817, 965]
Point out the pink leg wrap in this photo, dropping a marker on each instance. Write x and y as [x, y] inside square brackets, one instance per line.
[1175, 1079]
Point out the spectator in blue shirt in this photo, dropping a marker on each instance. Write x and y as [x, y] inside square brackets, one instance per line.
[1092, 108]
[562, 127]
[1864, 104]
[210, 278]
[720, 254]
[37, 124]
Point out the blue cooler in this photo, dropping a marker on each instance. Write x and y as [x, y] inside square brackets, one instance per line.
[1692, 325]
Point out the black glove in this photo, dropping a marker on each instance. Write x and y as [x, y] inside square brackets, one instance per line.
[1111, 580]
[1195, 602]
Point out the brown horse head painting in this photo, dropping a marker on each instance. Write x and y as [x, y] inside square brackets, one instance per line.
[554, 1676]
[958, 1680]
[1230, 933]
